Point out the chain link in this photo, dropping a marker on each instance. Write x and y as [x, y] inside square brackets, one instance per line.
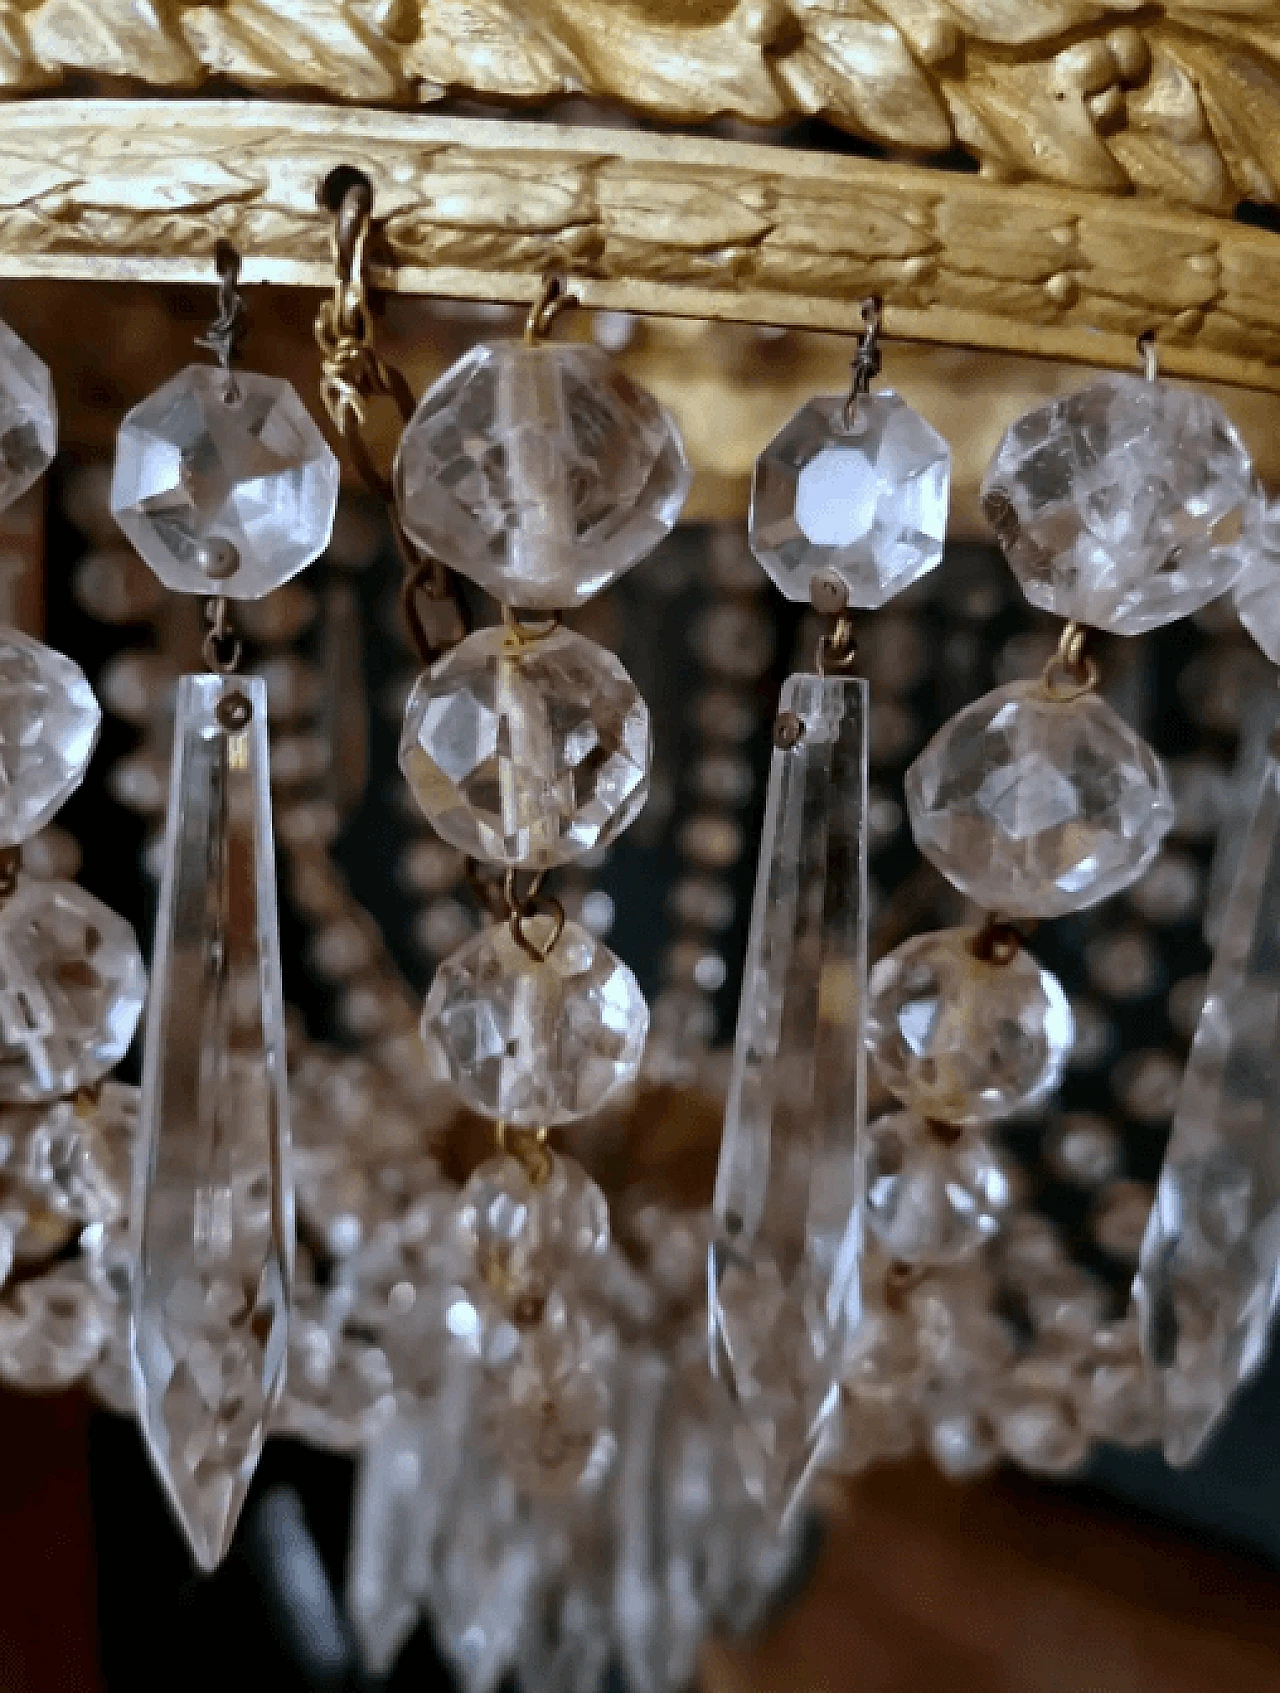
[353, 373]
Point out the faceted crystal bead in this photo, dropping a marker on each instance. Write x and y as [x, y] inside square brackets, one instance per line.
[530, 1040]
[224, 483]
[1209, 1271]
[51, 1330]
[1121, 505]
[783, 1268]
[867, 500]
[28, 417]
[72, 984]
[1035, 807]
[526, 1226]
[551, 1418]
[49, 724]
[540, 472]
[527, 752]
[932, 1196]
[962, 1038]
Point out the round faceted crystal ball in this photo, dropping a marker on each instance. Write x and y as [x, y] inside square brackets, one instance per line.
[527, 752]
[526, 1234]
[540, 472]
[531, 1041]
[1122, 505]
[224, 483]
[49, 721]
[28, 417]
[963, 1039]
[867, 500]
[1034, 806]
[932, 1196]
[71, 990]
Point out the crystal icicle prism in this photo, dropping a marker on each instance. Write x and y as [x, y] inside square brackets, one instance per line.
[784, 1255]
[1208, 1276]
[212, 1211]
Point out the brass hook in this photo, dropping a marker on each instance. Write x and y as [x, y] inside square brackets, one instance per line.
[554, 297]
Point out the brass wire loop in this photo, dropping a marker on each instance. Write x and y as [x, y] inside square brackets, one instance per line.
[353, 373]
[1070, 671]
[554, 297]
[866, 363]
[221, 649]
[522, 908]
[528, 1146]
[225, 333]
[838, 648]
[1149, 353]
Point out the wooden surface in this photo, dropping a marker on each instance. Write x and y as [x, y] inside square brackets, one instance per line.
[48, 1613]
[1009, 1586]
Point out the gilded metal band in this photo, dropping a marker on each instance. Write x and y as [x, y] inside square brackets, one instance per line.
[661, 224]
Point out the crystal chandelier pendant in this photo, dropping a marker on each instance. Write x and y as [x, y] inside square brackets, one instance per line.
[784, 1254]
[1208, 1277]
[213, 1204]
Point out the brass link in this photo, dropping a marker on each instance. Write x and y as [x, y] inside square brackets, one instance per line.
[528, 1147]
[1070, 671]
[222, 649]
[554, 297]
[838, 648]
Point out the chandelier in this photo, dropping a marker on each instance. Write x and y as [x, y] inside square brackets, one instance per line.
[913, 749]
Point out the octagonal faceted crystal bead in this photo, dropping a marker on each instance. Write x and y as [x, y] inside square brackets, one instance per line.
[71, 990]
[28, 417]
[962, 1038]
[224, 483]
[49, 721]
[1034, 806]
[527, 752]
[1122, 505]
[540, 472]
[866, 499]
[534, 1041]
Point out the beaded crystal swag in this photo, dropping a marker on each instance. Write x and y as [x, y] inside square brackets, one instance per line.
[538, 470]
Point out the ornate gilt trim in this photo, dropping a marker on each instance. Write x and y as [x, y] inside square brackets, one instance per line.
[650, 223]
[1179, 100]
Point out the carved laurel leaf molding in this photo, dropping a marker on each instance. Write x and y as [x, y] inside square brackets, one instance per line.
[1176, 101]
[671, 225]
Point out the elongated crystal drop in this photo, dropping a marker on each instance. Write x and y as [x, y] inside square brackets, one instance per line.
[213, 1213]
[784, 1255]
[1209, 1273]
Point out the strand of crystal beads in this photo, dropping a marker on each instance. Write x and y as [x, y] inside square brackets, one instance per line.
[225, 486]
[965, 1029]
[541, 472]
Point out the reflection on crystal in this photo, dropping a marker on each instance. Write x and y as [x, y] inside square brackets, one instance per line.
[49, 721]
[933, 1194]
[963, 1038]
[1036, 807]
[540, 472]
[28, 417]
[72, 984]
[1209, 1271]
[213, 1204]
[224, 483]
[527, 752]
[783, 1261]
[535, 1041]
[1122, 504]
[866, 499]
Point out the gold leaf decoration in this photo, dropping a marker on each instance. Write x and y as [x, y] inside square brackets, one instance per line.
[308, 43]
[135, 38]
[856, 66]
[1178, 101]
[658, 223]
[492, 47]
